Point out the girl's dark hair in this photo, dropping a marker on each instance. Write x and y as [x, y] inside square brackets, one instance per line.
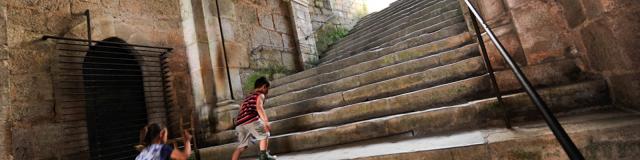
[261, 82]
[149, 133]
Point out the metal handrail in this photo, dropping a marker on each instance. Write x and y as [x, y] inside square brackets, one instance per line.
[561, 135]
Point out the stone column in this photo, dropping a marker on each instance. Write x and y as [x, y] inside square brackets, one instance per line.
[223, 55]
[199, 64]
[303, 32]
[5, 146]
[499, 19]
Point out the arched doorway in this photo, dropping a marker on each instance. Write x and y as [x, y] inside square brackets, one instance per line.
[116, 107]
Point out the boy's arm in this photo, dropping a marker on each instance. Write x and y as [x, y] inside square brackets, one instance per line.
[261, 113]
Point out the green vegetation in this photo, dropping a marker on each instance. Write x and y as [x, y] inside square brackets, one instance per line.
[312, 62]
[268, 72]
[328, 35]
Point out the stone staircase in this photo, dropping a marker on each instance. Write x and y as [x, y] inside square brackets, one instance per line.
[409, 82]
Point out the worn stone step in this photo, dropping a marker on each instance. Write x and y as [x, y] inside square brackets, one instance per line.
[434, 33]
[329, 115]
[355, 43]
[366, 62]
[468, 116]
[394, 8]
[547, 74]
[381, 74]
[451, 16]
[225, 119]
[326, 112]
[383, 21]
[402, 17]
[435, 16]
[602, 134]
[323, 97]
[436, 23]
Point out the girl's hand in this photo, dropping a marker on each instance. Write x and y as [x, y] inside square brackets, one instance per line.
[186, 135]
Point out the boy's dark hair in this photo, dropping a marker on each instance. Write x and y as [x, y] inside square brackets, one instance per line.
[261, 82]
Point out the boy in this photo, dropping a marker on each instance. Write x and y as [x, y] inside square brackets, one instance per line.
[252, 121]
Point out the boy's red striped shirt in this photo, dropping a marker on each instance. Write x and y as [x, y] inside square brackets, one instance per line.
[248, 112]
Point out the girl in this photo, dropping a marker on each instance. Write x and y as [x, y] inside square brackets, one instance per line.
[153, 138]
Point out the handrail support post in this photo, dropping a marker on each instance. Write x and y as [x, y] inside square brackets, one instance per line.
[561, 135]
[489, 67]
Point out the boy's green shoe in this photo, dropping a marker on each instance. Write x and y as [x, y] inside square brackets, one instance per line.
[264, 155]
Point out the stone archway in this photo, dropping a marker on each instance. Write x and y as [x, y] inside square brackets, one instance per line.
[117, 107]
[88, 133]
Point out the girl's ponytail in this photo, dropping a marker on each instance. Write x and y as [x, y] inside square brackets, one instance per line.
[143, 137]
[147, 134]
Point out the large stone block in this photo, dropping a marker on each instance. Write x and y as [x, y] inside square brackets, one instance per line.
[260, 37]
[493, 11]
[573, 12]
[543, 33]
[32, 111]
[248, 14]
[228, 30]
[31, 87]
[3, 24]
[625, 25]
[289, 60]
[282, 23]
[625, 90]
[288, 41]
[237, 55]
[603, 47]
[266, 20]
[227, 8]
[509, 40]
[36, 141]
[276, 40]
[4, 81]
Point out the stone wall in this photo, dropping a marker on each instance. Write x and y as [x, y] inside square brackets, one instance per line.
[31, 124]
[610, 31]
[304, 34]
[343, 13]
[332, 19]
[229, 44]
[602, 34]
[257, 36]
[5, 130]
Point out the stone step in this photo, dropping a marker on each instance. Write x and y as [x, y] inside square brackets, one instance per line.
[434, 33]
[418, 29]
[388, 98]
[468, 116]
[356, 42]
[442, 21]
[375, 38]
[225, 120]
[391, 9]
[394, 8]
[388, 19]
[601, 134]
[373, 60]
[377, 75]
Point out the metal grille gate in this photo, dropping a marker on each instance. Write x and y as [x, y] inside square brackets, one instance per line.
[107, 91]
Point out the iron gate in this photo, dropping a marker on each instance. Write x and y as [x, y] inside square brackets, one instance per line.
[107, 91]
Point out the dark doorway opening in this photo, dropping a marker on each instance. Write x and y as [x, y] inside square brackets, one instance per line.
[116, 107]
